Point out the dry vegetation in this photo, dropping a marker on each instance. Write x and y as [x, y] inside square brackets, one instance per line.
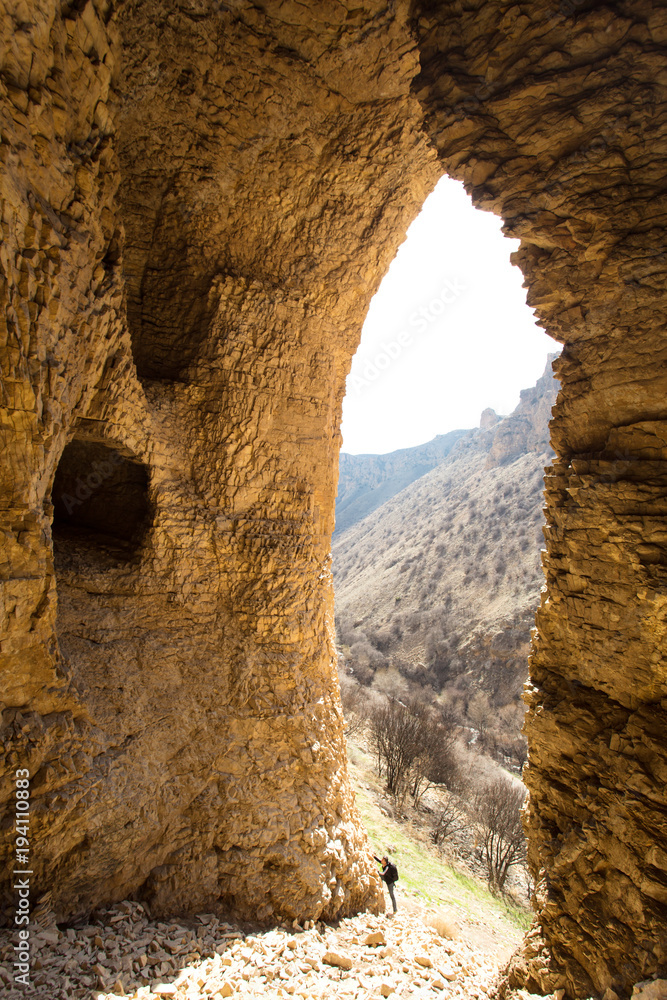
[437, 590]
[432, 780]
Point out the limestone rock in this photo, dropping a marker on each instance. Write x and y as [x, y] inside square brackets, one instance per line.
[424, 961]
[526, 428]
[650, 989]
[340, 961]
[198, 201]
[488, 419]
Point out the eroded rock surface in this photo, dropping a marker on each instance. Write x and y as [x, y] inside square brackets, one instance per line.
[545, 113]
[199, 199]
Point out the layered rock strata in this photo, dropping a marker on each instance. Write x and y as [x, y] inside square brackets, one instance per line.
[556, 119]
[198, 201]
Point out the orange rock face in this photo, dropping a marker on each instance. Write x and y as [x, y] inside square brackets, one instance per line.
[198, 201]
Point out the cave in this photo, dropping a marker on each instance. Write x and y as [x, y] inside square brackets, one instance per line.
[100, 501]
[262, 193]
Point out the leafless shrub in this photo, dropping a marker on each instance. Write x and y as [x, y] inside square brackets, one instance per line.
[497, 809]
[449, 820]
[444, 924]
[364, 654]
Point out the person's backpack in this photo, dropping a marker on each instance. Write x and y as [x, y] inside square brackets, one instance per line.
[392, 873]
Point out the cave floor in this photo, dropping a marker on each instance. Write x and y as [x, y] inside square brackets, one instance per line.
[121, 952]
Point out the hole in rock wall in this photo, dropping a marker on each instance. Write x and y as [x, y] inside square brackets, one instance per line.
[100, 501]
[167, 337]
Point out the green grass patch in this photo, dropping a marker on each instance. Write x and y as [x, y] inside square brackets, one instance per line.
[422, 873]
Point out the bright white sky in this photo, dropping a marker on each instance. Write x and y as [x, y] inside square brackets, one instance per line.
[448, 333]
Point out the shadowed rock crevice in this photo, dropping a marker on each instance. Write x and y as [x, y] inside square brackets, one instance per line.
[99, 498]
[169, 285]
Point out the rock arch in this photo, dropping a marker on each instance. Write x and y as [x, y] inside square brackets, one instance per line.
[200, 199]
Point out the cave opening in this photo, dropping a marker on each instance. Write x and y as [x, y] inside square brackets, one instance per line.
[101, 505]
[439, 513]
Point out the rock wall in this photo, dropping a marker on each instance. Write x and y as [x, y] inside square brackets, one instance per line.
[526, 429]
[186, 269]
[198, 201]
[556, 117]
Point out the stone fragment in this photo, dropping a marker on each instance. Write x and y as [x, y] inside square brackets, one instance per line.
[375, 939]
[650, 989]
[448, 974]
[341, 961]
[44, 936]
[424, 961]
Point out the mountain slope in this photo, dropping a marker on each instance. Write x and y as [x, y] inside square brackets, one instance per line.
[441, 582]
[367, 481]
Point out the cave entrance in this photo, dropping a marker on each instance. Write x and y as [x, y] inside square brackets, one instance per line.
[439, 511]
[101, 508]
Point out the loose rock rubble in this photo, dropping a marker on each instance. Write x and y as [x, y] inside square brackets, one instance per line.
[123, 953]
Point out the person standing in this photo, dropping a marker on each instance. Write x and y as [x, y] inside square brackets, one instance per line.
[389, 876]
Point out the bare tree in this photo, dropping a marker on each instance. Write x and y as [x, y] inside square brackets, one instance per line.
[413, 746]
[396, 735]
[479, 712]
[355, 706]
[497, 808]
[436, 765]
[354, 699]
[450, 820]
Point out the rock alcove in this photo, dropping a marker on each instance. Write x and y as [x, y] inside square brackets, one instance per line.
[180, 718]
[100, 501]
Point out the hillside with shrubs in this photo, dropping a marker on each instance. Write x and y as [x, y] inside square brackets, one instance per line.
[436, 589]
[365, 482]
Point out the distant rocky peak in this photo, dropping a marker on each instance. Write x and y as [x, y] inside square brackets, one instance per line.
[526, 429]
[488, 419]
